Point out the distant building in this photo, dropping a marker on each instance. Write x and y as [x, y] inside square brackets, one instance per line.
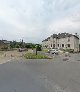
[62, 41]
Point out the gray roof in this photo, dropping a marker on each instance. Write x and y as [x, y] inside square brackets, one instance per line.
[54, 35]
[46, 39]
[64, 35]
[61, 35]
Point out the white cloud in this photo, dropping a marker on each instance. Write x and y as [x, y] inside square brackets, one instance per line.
[69, 24]
[34, 20]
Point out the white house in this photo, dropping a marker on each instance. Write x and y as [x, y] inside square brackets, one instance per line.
[62, 41]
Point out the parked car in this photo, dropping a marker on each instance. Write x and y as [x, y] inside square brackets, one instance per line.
[22, 49]
[53, 51]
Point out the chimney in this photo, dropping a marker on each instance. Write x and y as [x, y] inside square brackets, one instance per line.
[76, 34]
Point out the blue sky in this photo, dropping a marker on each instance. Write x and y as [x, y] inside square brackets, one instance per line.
[34, 20]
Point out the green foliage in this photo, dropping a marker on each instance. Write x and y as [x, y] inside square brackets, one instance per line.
[27, 46]
[38, 47]
[30, 45]
[15, 44]
[45, 50]
[33, 56]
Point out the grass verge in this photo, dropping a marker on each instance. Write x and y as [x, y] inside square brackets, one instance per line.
[33, 56]
[45, 50]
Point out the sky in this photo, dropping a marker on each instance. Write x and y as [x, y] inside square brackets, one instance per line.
[35, 20]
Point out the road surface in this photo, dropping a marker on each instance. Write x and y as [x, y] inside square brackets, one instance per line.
[57, 75]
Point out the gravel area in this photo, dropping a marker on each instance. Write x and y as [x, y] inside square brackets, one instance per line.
[6, 56]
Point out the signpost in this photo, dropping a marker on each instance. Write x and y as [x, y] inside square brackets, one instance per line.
[36, 49]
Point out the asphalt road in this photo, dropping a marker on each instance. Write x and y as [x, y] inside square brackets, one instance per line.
[57, 75]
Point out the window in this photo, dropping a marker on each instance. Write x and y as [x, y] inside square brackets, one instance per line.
[53, 45]
[69, 45]
[62, 45]
[69, 39]
[58, 45]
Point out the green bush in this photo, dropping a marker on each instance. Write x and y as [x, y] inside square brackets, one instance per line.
[38, 48]
[33, 56]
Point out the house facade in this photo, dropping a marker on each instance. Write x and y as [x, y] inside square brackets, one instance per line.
[62, 41]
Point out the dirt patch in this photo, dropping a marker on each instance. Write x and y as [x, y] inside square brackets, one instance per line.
[9, 55]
